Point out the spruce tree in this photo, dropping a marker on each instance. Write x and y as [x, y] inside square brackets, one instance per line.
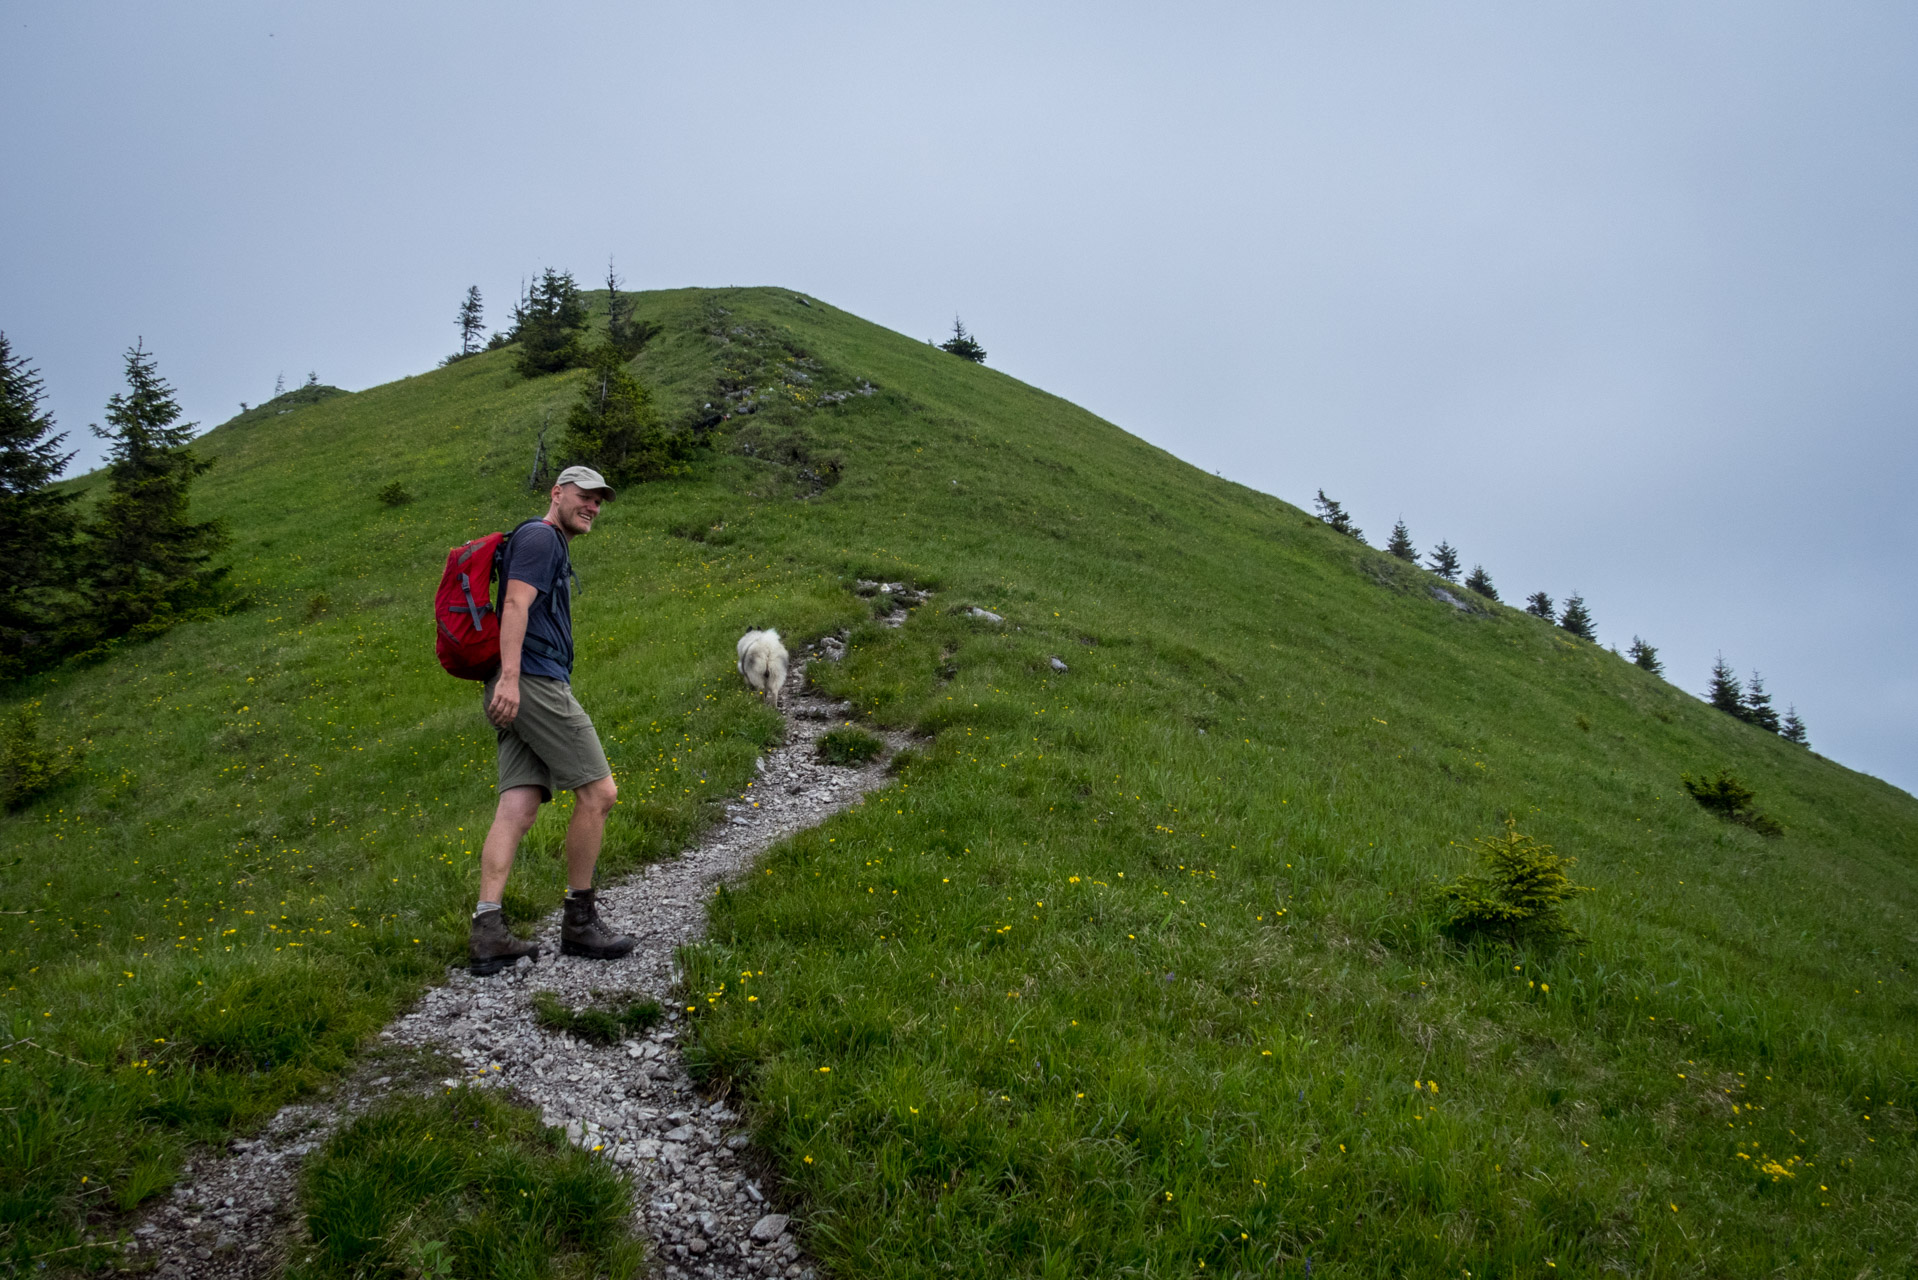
[1577, 619]
[1444, 561]
[963, 345]
[1645, 656]
[1401, 543]
[472, 321]
[1757, 704]
[548, 324]
[1793, 730]
[1725, 692]
[612, 426]
[1333, 514]
[1480, 581]
[1539, 605]
[146, 561]
[623, 333]
[36, 522]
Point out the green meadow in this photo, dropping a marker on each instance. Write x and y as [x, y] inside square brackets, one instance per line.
[1137, 968]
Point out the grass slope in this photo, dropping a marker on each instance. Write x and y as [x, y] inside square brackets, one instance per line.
[1134, 972]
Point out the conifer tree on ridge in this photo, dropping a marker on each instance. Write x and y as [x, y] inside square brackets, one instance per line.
[1757, 705]
[147, 562]
[1793, 729]
[1577, 619]
[1400, 544]
[1444, 561]
[1539, 605]
[1335, 515]
[1480, 581]
[36, 525]
[1645, 656]
[1725, 692]
[471, 320]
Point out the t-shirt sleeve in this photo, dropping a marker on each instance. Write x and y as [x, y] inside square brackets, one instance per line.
[533, 557]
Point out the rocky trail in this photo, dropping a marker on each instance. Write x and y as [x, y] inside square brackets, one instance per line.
[696, 1201]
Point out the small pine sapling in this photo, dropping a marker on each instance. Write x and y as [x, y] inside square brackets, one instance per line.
[1401, 543]
[1757, 705]
[1444, 561]
[1731, 800]
[963, 344]
[30, 769]
[1520, 895]
[1480, 581]
[1335, 515]
[1577, 619]
[1793, 729]
[1539, 605]
[1725, 692]
[1645, 656]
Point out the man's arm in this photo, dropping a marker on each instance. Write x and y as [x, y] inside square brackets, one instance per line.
[519, 597]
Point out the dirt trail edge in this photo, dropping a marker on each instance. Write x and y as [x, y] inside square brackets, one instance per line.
[234, 1214]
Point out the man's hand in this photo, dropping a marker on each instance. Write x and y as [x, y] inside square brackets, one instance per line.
[503, 707]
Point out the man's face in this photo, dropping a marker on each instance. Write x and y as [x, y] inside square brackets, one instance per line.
[577, 508]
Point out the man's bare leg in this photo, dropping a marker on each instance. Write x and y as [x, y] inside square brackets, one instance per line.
[584, 834]
[518, 810]
[582, 933]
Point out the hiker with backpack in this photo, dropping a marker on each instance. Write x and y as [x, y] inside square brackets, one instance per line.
[522, 647]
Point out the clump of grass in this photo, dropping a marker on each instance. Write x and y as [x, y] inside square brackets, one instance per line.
[1731, 800]
[461, 1185]
[29, 768]
[1521, 895]
[849, 746]
[394, 495]
[318, 606]
[903, 761]
[601, 1026]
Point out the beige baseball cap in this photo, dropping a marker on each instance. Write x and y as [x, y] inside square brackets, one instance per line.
[588, 479]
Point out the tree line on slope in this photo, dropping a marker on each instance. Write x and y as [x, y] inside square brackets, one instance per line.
[133, 567]
[1747, 702]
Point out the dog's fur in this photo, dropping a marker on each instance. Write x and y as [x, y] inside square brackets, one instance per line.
[762, 660]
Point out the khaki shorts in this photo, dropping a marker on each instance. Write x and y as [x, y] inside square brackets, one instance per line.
[551, 743]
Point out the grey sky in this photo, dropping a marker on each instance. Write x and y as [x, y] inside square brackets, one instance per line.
[1617, 298]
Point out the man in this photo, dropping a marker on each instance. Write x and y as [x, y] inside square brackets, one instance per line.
[546, 741]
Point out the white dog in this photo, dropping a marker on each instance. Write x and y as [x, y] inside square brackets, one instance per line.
[762, 660]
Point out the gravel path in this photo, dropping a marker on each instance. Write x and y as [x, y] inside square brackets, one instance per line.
[233, 1214]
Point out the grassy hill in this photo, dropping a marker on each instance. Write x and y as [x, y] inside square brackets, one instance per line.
[1136, 971]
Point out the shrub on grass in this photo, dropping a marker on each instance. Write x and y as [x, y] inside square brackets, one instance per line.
[466, 1184]
[849, 746]
[1731, 800]
[1519, 897]
[601, 1026]
[394, 495]
[29, 768]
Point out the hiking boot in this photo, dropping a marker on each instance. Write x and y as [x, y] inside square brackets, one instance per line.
[583, 933]
[492, 946]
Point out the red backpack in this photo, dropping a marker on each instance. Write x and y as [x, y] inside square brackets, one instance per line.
[468, 640]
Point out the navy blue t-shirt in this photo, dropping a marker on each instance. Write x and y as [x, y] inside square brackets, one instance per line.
[536, 555]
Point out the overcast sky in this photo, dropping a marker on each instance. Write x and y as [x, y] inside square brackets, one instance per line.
[1618, 298]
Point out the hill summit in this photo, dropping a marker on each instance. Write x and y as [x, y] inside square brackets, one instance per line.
[1142, 964]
